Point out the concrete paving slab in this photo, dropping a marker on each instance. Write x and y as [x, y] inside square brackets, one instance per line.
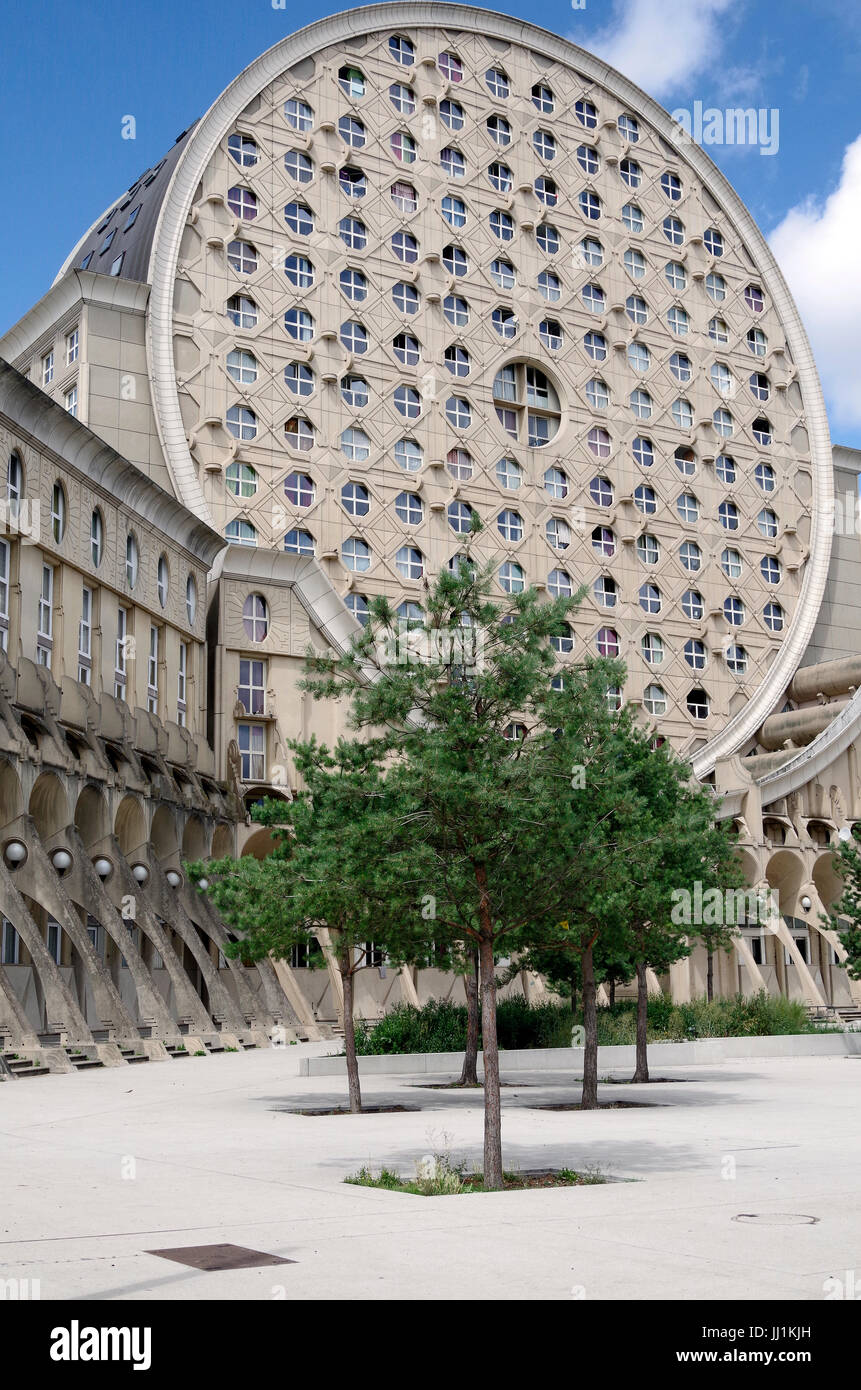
[100, 1167]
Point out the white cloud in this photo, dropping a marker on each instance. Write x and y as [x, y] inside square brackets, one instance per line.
[659, 45]
[816, 246]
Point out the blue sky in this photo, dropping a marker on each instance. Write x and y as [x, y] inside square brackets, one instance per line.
[72, 72]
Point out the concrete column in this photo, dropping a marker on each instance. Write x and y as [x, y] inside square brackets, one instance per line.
[14, 1023]
[812, 993]
[680, 980]
[337, 984]
[747, 959]
[39, 879]
[408, 986]
[829, 935]
[166, 902]
[271, 1005]
[294, 993]
[63, 1013]
[85, 886]
[188, 1002]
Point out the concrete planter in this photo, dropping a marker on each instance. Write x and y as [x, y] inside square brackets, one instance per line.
[702, 1052]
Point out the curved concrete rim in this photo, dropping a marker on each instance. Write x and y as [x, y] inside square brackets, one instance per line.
[216, 123]
[840, 734]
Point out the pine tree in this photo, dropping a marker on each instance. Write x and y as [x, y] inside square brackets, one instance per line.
[845, 915]
[343, 866]
[480, 744]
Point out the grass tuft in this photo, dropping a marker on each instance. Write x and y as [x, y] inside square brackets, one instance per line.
[439, 1177]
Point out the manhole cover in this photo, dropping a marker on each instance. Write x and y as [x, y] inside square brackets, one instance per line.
[775, 1218]
[215, 1257]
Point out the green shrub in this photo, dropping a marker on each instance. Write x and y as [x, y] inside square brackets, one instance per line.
[440, 1026]
[521, 1024]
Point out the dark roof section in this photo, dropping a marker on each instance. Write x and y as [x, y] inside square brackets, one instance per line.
[140, 205]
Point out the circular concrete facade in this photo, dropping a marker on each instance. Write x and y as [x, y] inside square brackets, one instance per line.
[422, 261]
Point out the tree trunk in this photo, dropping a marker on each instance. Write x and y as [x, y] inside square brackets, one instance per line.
[345, 966]
[710, 977]
[469, 1075]
[492, 1106]
[612, 993]
[641, 1071]
[590, 1023]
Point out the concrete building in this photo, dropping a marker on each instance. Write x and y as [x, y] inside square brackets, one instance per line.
[415, 262]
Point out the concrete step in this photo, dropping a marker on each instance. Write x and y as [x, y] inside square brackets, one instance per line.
[129, 1055]
[24, 1066]
[82, 1060]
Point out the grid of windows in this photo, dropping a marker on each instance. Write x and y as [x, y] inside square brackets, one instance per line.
[493, 433]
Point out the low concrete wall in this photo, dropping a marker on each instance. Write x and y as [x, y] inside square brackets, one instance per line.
[704, 1051]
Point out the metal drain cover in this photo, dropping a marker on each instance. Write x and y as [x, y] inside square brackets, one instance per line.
[215, 1257]
[776, 1218]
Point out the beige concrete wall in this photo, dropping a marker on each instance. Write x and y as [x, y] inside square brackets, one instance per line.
[109, 370]
[33, 545]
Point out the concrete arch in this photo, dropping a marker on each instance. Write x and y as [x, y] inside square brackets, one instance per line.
[61, 1009]
[829, 884]
[153, 915]
[750, 865]
[92, 817]
[163, 833]
[49, 805]
[130, 825]
[11, 795]
[87, 892]
[222, 842]
[785, 873]
[267, 1005]
[46, 889]
[260, 843]
[194, 839]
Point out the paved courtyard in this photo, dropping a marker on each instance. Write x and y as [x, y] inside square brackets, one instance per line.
[99, 1168]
